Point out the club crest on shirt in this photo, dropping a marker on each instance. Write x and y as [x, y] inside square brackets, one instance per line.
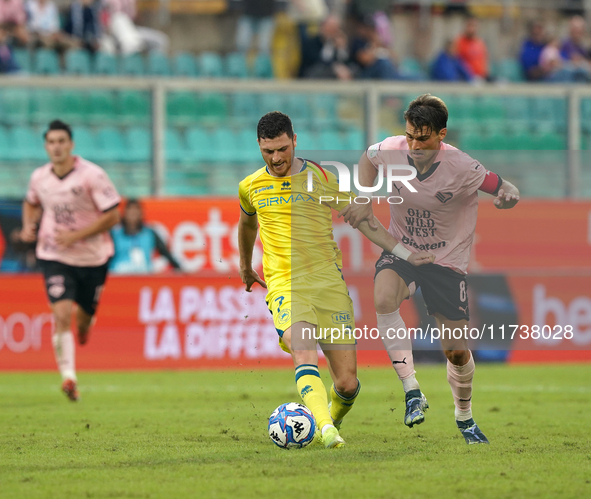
[77, 190]
[444, 197]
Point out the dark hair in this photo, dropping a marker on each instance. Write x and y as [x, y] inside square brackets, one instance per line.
[427, 111]
[131, 202]
[59, 125]
[273, 125]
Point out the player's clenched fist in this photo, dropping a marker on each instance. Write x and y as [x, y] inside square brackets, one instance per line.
[421, 258]
[249, 277]
[29, 233]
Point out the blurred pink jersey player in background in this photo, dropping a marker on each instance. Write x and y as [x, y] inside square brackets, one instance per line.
[69, 208]
[440, 218]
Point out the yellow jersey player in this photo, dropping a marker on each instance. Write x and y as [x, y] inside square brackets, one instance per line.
[307, 294]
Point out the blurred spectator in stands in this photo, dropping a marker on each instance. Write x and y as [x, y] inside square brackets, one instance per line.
[558, 70]
[326, 55]
[118, 18]
[7, 62]
[531, 50]
[136, 243]
[472, 50]
[257, 17]
[572, 48]
[14, 19]
[449, 67]
[310, 12]
[43, 22]
[370, 55]
[81, 28]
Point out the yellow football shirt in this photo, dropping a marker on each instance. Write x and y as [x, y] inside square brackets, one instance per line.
[295, 225]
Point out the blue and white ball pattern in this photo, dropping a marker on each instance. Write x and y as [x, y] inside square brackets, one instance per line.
[292, 426]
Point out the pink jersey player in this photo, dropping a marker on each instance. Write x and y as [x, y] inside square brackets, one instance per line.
[438, 219]
[72, 203]
[69, 209]
[441, 216]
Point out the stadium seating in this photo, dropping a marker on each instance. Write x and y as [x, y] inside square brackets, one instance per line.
[77, 63]
[210, 65]
[23, 59]
[263, 67]
[133, 65]
[46, 62]
[105, 64]
[158, 64]
[184, 65]
[235, 65]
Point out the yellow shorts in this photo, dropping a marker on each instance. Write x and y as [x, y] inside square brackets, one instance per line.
[321, 299]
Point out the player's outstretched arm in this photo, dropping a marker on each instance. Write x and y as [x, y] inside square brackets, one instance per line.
[31, 216]
[386, 241]
[507, 197]
[353, 213]
[104, 223]
[247, 234]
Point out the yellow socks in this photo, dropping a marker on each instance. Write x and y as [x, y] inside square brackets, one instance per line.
[341, 405]
[313, 393]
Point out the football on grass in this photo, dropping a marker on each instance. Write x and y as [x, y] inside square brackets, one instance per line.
[291, 426]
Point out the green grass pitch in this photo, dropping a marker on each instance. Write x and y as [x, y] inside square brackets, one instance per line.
[204, 434]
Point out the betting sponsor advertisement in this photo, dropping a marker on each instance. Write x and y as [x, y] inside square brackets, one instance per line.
[529, 290]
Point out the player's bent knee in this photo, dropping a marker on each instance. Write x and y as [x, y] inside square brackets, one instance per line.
[457, 357]
[346, 385]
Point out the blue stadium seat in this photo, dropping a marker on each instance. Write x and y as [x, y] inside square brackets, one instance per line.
[413, 69]
[355, 139]
[85, 143]
[111, 145]
[272, 102]
[182, 108]
[14, 105]
[324, 110]
[308, 141]
[263, 67]
[509, 70]
[75, 107]
[134, 107]
[4, 153]
[133, 65]
[106, 64]
[77, 62]
[210, 65]
[244, 108]
[199, 145]
[236, 66]
[46, 62]
[224, 142]
[46, 105]
[246, 140]
[297, 106]
[213, 107]
[26, 145]
[102, 107]
[23, 59]
[176, 150]
[332, 140]
[158, 64]
[184, 65]
[139, 143]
